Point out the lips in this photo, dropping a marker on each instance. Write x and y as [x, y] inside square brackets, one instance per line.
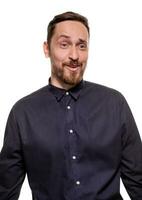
[73, 68]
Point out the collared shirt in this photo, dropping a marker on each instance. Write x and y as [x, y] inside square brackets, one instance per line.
[73, 145]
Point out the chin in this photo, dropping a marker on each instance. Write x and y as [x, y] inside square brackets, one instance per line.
[72, 82]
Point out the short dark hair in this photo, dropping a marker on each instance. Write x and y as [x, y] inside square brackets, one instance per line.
[64, 17]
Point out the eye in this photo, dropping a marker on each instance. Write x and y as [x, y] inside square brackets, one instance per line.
[64, 45]
[82, 46]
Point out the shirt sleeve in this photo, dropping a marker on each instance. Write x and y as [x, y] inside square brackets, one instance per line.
[131, 162]
[12, 170]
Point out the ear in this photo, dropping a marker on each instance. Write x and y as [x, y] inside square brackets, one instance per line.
[46, 49]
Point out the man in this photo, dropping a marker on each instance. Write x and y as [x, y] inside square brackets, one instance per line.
[73, 138]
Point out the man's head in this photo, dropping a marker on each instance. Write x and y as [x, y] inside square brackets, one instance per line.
[67, 47]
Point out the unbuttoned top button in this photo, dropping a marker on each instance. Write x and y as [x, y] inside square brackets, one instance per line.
[68, 107]
[67, 93]
[77, 182]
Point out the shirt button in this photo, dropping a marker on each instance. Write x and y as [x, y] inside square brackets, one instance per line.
[77, 182]
[73, 157]
[68, 107]
[71, 131]
[67, 93]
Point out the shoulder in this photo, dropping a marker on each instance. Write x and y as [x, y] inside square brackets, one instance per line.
[98, 88]
[99, 91]
[33, 100]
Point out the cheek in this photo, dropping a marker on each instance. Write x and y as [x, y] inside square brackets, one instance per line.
[84, 57]
[60, 56]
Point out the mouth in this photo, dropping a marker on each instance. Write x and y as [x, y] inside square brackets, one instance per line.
[73, 68]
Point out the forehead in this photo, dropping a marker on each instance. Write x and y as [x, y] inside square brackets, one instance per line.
[73, 29]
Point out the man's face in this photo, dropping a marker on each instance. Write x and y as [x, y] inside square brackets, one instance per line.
[68, 53]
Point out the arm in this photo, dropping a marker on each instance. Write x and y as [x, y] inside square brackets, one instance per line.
[131, 164]
[12, 171]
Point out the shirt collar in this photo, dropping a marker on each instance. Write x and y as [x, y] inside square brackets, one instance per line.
[59, 92]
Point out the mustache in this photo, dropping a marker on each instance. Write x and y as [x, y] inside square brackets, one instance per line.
[73, 63]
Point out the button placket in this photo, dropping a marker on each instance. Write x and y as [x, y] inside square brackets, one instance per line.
[74, 157]
[72, 141]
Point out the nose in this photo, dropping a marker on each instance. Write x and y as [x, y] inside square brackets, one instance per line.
[74, 55]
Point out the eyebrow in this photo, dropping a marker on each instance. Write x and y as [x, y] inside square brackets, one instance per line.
[82, 41]
[66, 36]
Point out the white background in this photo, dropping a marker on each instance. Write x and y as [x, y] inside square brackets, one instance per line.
[115, 51]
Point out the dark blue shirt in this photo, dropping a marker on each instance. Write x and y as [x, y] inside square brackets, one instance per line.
[73, 145]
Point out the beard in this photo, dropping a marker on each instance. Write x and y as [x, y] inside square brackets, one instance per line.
[70, 73]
